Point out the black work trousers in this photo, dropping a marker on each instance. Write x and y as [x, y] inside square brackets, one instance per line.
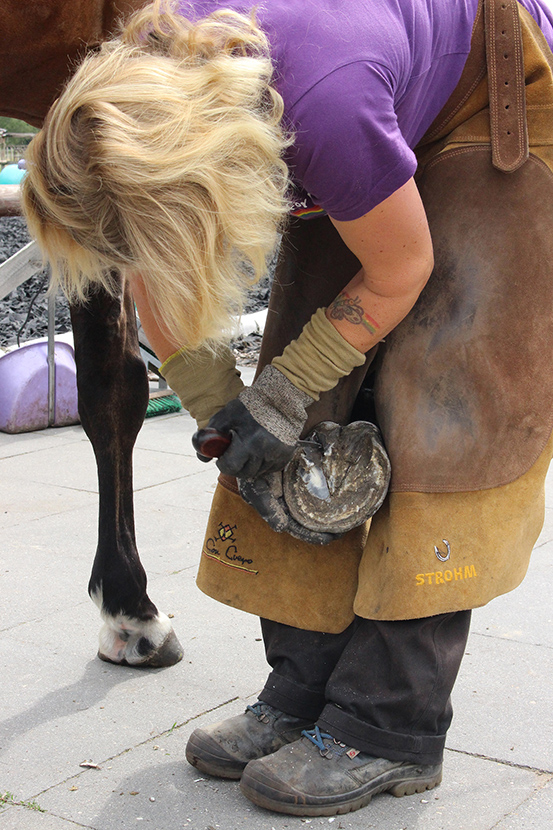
[381, 687]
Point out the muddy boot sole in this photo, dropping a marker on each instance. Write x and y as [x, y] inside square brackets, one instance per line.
[269, 792]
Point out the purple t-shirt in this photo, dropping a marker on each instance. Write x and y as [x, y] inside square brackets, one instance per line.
[361, 80]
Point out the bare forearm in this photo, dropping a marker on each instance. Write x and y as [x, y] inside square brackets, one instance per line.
[364, 317]
[394, 247]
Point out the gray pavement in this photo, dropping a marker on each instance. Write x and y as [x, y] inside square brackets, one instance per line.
[61, 706]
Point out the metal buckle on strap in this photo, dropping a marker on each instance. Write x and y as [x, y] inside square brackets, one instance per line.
[505, 60]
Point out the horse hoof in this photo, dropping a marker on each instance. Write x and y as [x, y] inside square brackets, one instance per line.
[337, 478]
[168, 653]
[153, 645]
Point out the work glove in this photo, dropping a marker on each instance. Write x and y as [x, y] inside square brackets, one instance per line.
[203, 379]
[264, 424]
[267, 419]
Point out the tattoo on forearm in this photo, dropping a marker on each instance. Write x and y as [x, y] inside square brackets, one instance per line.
[347, 308]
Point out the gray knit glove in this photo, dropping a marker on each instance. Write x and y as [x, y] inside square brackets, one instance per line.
[264, 422]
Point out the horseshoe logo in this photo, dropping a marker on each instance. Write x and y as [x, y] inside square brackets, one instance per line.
[443, 557]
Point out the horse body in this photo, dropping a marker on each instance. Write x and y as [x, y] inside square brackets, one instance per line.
[41, 41]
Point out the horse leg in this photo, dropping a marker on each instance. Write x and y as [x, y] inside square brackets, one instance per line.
[113, 396]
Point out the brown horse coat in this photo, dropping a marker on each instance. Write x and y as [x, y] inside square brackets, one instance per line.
[41, 42]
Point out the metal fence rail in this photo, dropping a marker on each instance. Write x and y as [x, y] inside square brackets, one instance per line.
[19, 268]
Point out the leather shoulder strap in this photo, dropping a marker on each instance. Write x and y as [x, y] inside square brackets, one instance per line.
[505, 61]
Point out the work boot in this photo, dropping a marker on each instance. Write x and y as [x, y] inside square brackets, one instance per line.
[320, 776]
[225, 748]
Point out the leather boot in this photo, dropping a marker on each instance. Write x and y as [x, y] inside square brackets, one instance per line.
[320, 776]
[225, 748]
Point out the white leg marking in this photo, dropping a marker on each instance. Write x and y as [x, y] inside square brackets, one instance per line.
[121, 635]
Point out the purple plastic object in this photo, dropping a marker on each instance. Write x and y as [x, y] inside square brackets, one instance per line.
[24, 388]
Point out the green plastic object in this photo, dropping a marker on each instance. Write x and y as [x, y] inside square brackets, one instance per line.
[163, 406]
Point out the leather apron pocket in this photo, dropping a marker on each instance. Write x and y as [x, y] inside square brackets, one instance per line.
[432, 553]
[247, 565]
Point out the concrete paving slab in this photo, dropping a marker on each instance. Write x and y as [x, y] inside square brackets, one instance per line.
[149, 787]
[22, 501]
[62, 706]
[153, 467]
[168, 433]
[170, 539]
[536, 813]
[503, 702]
[62, 545]
[526, 614]
[171, 520]
[69, 464]
[72, 465]
[25, 442]
[24, 818]
[194, 489]
[45, 565]
[61, 548]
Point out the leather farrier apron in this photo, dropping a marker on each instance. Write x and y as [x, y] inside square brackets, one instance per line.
[464, 388]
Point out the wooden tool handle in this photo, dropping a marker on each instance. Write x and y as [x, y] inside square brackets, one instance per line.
[210, 442]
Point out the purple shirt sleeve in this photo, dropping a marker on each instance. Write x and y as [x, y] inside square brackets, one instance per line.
[349, 152]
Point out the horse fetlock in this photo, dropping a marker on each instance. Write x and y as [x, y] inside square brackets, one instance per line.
[133, 642]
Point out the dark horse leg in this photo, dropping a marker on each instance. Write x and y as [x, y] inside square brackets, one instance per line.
[113, 396]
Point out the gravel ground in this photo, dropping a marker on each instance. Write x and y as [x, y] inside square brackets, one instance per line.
[24, 312]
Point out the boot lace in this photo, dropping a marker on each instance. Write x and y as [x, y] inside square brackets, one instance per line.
[331, 748]
[262, 711]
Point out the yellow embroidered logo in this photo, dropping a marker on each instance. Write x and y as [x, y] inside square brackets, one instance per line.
[224, 549]
[444, 577]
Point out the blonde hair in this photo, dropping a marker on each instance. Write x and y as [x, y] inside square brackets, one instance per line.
[164, 155]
